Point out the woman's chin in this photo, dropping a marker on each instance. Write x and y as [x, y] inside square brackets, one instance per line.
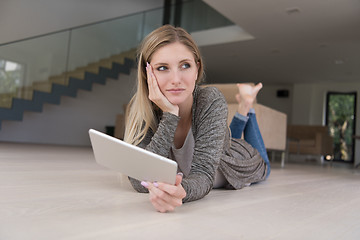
[175, 102]
[174, 99]
[178, 100]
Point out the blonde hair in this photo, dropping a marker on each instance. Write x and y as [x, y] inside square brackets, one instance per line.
[140, 113]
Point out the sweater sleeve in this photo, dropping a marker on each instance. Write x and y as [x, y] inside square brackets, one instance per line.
[210, 123]
[159, 143]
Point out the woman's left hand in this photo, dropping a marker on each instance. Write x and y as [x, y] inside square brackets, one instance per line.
[166, 197]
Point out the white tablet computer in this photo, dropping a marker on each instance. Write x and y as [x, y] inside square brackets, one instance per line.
[131, 160]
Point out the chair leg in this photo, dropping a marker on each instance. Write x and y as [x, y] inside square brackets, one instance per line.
[272, 155]
[283, 159]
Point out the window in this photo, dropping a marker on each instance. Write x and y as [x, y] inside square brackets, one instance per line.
[11, 76]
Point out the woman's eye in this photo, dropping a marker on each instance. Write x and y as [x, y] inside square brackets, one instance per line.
[185, 66]
[162, 68]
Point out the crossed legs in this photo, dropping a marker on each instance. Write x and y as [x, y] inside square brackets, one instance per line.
[244, 121]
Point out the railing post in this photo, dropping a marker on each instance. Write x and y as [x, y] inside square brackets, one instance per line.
[167, 12]
[68, 52]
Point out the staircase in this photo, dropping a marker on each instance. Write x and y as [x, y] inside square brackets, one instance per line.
[32, 98]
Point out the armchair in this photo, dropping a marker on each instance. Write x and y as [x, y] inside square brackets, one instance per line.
[311, 140]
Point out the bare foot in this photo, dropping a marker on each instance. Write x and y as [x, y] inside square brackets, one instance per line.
[247, 96]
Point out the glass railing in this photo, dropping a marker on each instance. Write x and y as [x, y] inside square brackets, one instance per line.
[36, 59]
[36, 63]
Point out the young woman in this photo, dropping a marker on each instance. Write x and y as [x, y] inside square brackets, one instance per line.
[171, 115]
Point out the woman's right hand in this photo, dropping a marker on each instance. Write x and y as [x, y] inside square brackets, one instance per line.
[155, 94]
[166, 197]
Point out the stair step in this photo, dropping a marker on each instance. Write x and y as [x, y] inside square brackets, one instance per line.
[88, 69]
[76, 74]
[62, 80]
[11, 114]
[128, 54]
[42, 86]
[118, 59]
[6, 100]
[25, 93]
[102, 63]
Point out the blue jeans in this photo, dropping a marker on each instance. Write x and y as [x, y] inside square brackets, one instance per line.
[248, 125]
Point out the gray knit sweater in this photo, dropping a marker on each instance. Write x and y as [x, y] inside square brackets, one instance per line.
[236, 159]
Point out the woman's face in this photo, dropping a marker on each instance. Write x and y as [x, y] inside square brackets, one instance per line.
[176, 72]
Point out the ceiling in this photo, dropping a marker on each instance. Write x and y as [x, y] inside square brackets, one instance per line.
[297, 41]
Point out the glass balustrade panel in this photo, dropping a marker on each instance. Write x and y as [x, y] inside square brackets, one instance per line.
[152, 20]
[97, 43]
[28, 64]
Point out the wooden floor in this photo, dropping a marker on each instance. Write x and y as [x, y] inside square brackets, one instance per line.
[53, 192]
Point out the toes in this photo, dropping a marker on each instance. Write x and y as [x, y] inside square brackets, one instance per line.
[258, 87]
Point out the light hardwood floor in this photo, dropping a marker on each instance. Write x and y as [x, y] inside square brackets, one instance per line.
[56, 192]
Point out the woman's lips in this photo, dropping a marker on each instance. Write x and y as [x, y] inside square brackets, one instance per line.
[176, 90]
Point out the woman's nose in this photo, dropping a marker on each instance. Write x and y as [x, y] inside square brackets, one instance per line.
[176, 77]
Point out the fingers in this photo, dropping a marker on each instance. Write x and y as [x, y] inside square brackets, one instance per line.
[179, 178]
[165, 197]
[176, 190]
[162, 201]
[257, 88]
[154, 92]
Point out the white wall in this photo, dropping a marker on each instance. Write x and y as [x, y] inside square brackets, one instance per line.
[68, 123]
[268, 97]
[301, 104]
